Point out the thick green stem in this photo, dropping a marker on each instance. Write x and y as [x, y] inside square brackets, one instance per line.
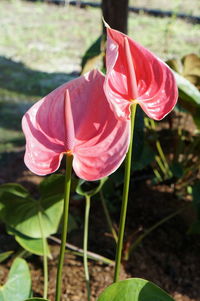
[124, 197]
[85, 245]
[45, 259]
[64, 226]
[108, 218]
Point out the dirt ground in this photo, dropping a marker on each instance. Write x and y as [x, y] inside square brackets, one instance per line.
[168, 256]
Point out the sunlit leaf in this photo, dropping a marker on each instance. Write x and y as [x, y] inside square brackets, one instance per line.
[18, 285]
[33, 245]
[24, 217]
[134, 289]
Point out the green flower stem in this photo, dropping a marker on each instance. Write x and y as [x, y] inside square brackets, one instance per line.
[45, 259]
[108, 218]
[85, 245]
[124, 197]
[69, 160]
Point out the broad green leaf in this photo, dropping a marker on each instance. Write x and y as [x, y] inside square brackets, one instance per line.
[24, 217]
[5, 255]
[86, 188]
[13, 189]
[18, 285]
[33, 245]
[134, 289]
[52, 185]
[187, 90]
[36, 299]
[189, 97]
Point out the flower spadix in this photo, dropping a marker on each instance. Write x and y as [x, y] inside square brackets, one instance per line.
[134, 74]
[76, 120]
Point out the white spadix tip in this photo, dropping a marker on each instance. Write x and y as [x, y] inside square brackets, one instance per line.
[106, 24]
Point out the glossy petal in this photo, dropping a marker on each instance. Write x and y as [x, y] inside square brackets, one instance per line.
[75, 117]
[136, 74]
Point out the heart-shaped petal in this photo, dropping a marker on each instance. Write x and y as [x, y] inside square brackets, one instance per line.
[136, 74]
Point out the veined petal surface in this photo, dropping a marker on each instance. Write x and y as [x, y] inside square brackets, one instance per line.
[155, 84]
[76, 117]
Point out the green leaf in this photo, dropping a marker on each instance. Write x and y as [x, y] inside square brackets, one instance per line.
[187, 90]
[18, 285]
[5, 255]
[24, 217]
[33, 245]
[13, 189]
[72, 224]
[86, 188]
[189, 97]
[52, 185]
[134, 289]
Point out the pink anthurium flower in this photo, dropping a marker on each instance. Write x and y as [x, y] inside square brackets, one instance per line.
[134, 74]
[75, 119]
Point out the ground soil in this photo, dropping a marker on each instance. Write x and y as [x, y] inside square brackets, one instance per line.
[168, 256]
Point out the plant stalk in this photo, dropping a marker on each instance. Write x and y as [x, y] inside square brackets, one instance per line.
[85, 245]
[124, 197]
[69, 160]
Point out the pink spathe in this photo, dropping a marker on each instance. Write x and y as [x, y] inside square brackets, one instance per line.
[134, 74]
[75, 118]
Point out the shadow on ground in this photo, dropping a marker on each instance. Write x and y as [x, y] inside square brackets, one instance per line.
[19, 87]
[17, 78]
